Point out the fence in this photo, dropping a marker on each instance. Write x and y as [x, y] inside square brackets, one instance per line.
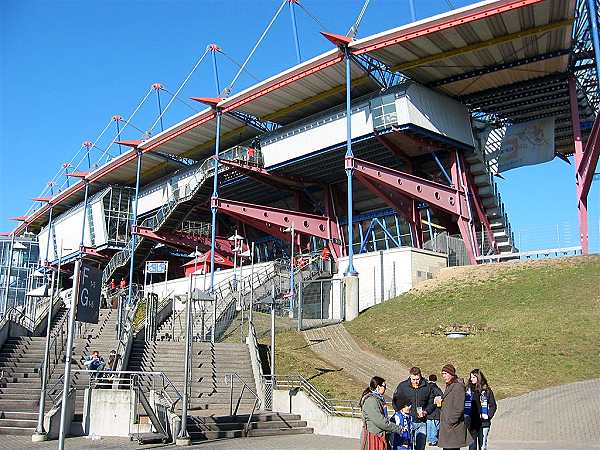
[331, 406]
[320, 302]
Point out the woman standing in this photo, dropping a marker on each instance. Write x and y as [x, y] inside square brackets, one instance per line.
[482, 410]
[453, 431]
[376, 421]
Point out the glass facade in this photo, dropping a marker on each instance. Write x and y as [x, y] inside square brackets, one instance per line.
[22, 257]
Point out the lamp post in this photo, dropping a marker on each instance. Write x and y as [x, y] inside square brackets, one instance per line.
[40, 434]
[292, 299]
[71, 329]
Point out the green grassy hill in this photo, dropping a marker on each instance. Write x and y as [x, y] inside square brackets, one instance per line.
[533, 324]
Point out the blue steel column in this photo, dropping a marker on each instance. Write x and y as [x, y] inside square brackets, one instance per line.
[350, 270]
[85, 205]
[133, 223]
[295, 30]
[593, 16]
[215, 195]
[49, 233]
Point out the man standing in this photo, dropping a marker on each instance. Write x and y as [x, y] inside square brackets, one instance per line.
[417, 392]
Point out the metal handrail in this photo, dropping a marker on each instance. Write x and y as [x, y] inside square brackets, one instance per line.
[125, 377]
[229, 379]
[202, 173]
[334, 407]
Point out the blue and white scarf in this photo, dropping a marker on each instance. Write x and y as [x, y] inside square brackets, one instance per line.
[468, 402]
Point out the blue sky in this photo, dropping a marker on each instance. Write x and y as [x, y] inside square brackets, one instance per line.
[67, 66]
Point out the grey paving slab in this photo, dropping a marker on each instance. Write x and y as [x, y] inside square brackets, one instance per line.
[566, 413]
[300, 442]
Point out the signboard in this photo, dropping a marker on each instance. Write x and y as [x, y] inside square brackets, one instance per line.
[156, 267]
[88, 299]
[526, 144]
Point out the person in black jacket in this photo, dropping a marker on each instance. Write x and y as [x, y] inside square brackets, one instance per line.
[483, 408]
[417, 392]
[433, 419]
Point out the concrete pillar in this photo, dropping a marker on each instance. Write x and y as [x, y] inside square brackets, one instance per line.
[351, 296]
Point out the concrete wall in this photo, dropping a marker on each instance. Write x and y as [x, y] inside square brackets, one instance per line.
[315, 134]
[110, 413]
[403, 268]
[316, 418]
[180, 286]
[435, 112]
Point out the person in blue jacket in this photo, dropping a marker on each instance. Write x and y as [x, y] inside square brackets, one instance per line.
[403, 439]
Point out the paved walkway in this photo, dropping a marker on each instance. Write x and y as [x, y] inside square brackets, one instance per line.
[334, 344]
[558, 418]
[300, 442]
[553, 417]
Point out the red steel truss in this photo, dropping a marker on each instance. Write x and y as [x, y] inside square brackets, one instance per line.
[275, 220]
[452, 200]
[185, 241]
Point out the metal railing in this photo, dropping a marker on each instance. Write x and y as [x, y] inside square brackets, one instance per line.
[181, 195]
[331, 406]
[232, 378]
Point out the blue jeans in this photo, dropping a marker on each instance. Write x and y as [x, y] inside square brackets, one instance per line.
[482, 438]
[420, 435]
[433, 431]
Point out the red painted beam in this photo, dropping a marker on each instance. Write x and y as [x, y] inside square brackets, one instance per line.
[5, 233]
[337, 39]
[579, 157]
[132, 143]
[437, 195]
[589, 161]
[264, 176]
[42, 199]
[19, 218]
[185, 241]
[91, 251]
[78, 174]
[277, 219]
[210, 101]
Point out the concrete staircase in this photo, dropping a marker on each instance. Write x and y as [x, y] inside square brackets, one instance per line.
[90, 337]
[209, 393]
[21, 359]
[263, 424]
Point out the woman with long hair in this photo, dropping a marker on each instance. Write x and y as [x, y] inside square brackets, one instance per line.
[483, 408]
[375, 419]
[453, 430]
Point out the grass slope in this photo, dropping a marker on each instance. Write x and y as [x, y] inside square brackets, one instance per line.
[293, 356]
[535, 324]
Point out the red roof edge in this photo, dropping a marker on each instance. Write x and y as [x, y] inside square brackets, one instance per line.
[211, 101]
[337, 39]
[133, 143]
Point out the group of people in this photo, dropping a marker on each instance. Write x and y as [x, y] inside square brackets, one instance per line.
[96, 363]
[459, 416]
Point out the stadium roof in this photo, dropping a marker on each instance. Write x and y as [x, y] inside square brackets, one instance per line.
[509, 59]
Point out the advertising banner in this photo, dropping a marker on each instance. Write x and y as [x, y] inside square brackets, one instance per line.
[527, 143]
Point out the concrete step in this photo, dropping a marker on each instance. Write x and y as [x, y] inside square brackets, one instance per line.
[243, 418]
[18, 405]
[17, 423]
[16, 431]
[226, 426]
[18, 415]
[231, 434]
